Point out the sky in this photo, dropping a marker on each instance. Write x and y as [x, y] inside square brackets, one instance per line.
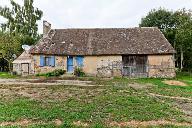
[99, 13]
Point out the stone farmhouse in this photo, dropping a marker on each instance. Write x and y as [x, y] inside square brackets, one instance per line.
[105, 52]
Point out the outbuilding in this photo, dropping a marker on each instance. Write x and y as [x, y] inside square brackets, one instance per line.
[24, 64]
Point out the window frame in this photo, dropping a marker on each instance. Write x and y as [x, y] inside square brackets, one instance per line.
[47, 60]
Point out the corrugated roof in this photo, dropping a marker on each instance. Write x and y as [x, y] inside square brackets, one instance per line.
[109, 41]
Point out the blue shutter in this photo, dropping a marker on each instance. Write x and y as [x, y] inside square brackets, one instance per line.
[53, 61]
[79, 61]
[49, 61]
[42, 61]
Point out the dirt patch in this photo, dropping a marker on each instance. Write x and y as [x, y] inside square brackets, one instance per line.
[24, 122]
[58, 93]
[183, 103]
[137, 86]
[174, 82]
[186, 107]
[147, 123]
[170, 97]
[41, 82]
[80, 124]
[58, 122]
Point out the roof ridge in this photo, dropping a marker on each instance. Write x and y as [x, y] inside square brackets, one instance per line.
[103, 28]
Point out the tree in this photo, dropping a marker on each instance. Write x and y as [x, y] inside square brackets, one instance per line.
[9, 47]
[174, 27]
[163, 19]
[184, 42]
[21, 19]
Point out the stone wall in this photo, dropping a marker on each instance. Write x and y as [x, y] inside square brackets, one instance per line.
[161, 66]
[108, 66]
[60, 63]
[17, 67]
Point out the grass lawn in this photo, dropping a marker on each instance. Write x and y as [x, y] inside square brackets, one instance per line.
[121, 102]
[6, 75]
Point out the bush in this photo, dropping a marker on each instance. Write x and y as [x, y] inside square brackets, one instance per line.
[40, 74]
[79, 72]
[57, 72]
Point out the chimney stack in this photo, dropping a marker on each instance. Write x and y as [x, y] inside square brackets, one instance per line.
[46, 27]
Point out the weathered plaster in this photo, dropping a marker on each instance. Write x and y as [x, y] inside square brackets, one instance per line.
[161, 66]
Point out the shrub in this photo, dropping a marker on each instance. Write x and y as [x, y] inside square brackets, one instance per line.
[40, 74]
[79, 72]
[57, 72]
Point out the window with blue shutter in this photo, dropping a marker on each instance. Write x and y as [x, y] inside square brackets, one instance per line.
[79, 61]
[47, 61]
[42, 61]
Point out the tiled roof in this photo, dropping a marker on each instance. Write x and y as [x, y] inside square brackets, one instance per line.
[100, 41]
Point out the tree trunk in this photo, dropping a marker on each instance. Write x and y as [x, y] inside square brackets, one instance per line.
[174, 55]
[181, 50]
[9, 66]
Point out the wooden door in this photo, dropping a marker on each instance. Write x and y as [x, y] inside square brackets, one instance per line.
[25, 69]
[70, 68]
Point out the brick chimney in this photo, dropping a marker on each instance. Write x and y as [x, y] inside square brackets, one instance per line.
[46, 27]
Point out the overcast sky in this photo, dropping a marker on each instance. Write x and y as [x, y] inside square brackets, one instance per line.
[99, 13]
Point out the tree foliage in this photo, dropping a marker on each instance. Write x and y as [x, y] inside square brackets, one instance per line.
[21, 28]
[177, 28]
[21, 19]
[9, 46]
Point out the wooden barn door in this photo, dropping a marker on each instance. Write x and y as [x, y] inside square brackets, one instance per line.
[135, 66]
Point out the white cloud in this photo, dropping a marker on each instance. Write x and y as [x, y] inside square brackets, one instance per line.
[100, 13]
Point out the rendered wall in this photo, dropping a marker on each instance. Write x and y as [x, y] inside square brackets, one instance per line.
[161, 66]
[102, 65]
[90, 65]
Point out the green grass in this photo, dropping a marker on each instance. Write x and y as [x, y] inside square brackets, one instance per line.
[96, 106]
[6, 75]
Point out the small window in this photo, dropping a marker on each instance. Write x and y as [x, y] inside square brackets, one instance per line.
[47, 61]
